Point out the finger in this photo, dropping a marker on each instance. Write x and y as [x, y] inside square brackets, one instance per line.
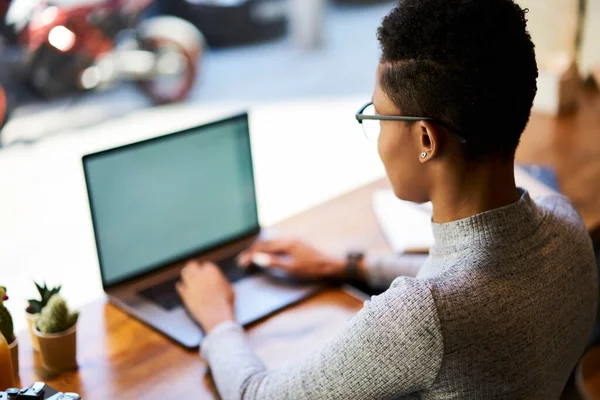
[180, 287]
[261, 259]
[243, 260]
[272, 246]
[187, 269]
[185, 272]
[190, 265]
[248, 258]
[190, 269]
[209, 265]
[279, 262]
[209, 272]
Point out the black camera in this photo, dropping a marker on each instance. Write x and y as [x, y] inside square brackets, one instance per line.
[37, 391]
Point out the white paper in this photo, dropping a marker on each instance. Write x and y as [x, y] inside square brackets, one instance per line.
[405, 225]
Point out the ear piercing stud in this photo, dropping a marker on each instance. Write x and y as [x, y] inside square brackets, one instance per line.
[424, 155]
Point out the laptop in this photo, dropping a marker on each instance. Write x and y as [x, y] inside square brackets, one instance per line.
[161, 202]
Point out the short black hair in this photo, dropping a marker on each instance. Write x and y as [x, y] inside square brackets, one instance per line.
[469, 63]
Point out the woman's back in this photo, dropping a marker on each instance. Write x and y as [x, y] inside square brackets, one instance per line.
[515, 290]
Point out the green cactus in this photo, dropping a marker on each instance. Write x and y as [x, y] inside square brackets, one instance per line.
[36, 306]
[6, 322]
[56, 316]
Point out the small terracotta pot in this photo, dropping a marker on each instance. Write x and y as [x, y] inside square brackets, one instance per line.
[58, 350]
[14, 357]
[35, 343]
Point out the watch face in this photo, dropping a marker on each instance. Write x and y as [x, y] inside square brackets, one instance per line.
[356, 255]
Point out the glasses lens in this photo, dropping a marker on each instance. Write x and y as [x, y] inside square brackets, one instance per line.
[371, 127]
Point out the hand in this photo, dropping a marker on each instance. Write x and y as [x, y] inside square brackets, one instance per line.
[296, 258]
[207, 294]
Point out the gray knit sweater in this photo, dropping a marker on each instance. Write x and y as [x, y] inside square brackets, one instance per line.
[501, 309]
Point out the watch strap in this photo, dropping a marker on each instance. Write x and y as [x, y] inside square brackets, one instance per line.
[353, 260]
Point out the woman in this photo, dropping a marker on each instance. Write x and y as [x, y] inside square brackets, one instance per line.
[503, 306]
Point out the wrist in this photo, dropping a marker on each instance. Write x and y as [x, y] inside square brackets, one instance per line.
[362, 269]
[336, 268]
[355, 266]
[211, 321]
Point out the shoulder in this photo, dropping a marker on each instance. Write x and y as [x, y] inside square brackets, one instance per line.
[561, 216]
[559, 207]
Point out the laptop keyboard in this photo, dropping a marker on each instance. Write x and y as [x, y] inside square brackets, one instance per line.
[165, 295]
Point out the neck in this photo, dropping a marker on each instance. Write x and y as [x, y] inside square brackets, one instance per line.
[471, 190]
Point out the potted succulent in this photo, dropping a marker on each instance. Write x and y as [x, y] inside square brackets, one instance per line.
[36, 306]
[56, 330]
[7, 330]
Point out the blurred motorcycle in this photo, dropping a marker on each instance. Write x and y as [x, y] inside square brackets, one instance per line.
[64, 47]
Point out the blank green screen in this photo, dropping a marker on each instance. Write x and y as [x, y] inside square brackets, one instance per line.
[168, 198]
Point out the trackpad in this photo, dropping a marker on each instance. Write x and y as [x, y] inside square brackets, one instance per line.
[260, 295]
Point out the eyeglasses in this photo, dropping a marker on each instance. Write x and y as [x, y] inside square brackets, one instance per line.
[370, 122]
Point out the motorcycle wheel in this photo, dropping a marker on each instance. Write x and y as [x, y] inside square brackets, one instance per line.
[170, 34]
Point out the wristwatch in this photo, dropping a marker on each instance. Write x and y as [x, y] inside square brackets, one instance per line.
[353, 259]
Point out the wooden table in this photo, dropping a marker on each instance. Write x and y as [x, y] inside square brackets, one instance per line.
[121, 358]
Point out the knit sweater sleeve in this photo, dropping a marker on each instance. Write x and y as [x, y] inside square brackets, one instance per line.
[392, 347]
[382, 271]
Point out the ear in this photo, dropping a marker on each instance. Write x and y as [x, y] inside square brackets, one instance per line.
[429, 141]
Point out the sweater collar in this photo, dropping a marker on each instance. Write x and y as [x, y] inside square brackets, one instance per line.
[496, 227]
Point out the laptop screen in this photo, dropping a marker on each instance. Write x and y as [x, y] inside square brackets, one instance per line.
[168, 198]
